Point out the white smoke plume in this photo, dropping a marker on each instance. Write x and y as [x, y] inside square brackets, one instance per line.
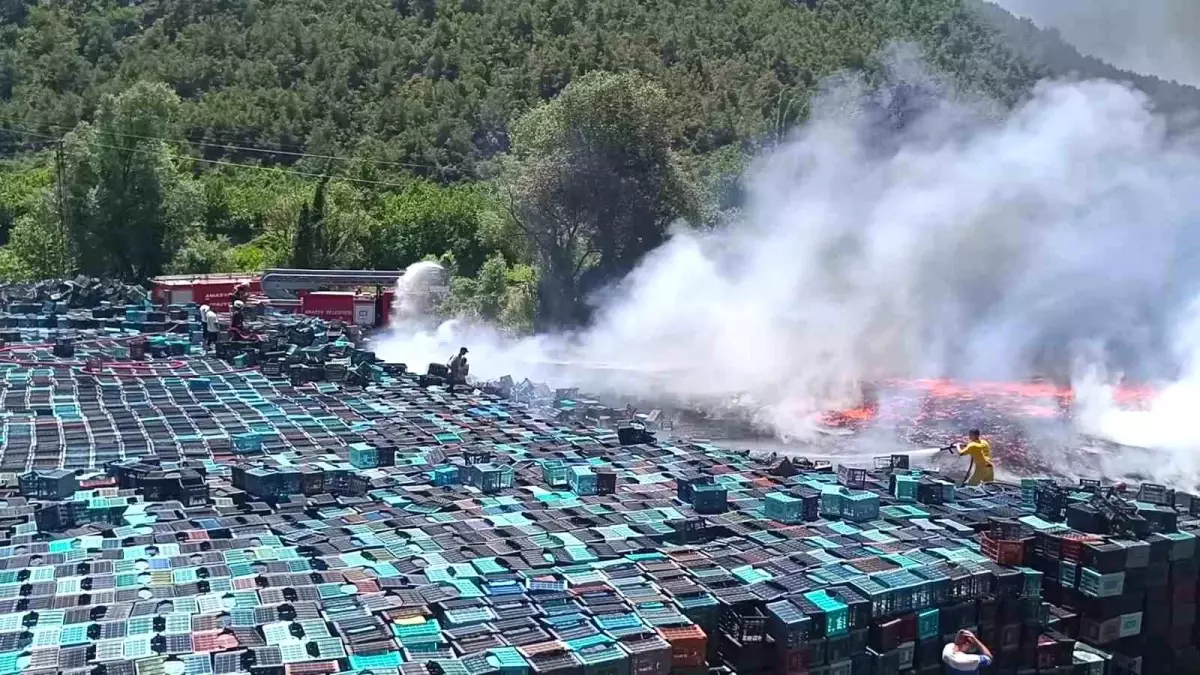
[1153, 38]
[907, 233]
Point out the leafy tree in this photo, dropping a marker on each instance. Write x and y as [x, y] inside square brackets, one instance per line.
[202, 254]
[37, 248]
[500, 294]
[118, 176]
[595, 185]
[23, 186]
[427, 219]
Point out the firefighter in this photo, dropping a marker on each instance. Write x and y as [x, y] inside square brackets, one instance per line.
[980, 452]
[237, 320]
[241, 293]
[459, 368]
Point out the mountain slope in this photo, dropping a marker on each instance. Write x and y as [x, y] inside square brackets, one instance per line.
[435, 82]
[1047, 48]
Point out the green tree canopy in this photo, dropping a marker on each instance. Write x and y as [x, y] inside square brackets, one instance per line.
[127, 207]
[594, 184]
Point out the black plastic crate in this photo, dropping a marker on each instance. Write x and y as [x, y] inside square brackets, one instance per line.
[1049, 503]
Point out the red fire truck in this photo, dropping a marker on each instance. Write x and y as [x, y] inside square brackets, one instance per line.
[203, 289]
[363, 297]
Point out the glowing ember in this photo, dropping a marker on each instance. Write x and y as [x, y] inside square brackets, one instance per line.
[1020, 418]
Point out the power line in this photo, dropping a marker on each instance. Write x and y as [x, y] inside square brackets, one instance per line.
[242, 148]
[219, 162]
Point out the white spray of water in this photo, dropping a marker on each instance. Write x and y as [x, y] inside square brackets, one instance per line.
[415, 292]
[965, 244]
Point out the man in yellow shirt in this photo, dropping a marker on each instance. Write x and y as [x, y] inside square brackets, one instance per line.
[980, 452]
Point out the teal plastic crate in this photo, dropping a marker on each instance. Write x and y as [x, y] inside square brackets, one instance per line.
[783, 507]
[508, 660]
[582, 480]
[837, 613]
[364, 456]
[445, 475]
[905, 489]
[555, 473]
[709, 498]
[1068, 574]
[1031, 582]
[860, 506]
[929, 624]
[1099, 585]
[249, 442]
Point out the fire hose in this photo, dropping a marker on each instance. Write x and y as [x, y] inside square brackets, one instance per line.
[970, 467]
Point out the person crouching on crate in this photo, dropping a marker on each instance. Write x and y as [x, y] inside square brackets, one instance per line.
[459, 368]
[966, 654]
[980, 452]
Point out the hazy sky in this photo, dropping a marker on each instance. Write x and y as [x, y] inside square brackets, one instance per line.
[1155, 37]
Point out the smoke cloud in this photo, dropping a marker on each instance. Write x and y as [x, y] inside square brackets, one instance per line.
[1152, 38]
[909, 231]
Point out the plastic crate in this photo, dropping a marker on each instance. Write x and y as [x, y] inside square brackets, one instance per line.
[1096, 632]
[488, 477]
[1089, 661]
[904, 488]
[445, 475]
[249, 442]
[1068, 574]
[1049, 502]
[860, 506]
[1004, 529]
[1097, 585]
[745, 624]
[582, 480]
[1031, 583]
[1002, 551]
[555, 473]
[934, 492]
[928, 624]
[784, 507]
[709, 499]
[649, 654]
[787, 624]
[835, 612]
[851, 477]
[689, 645]
[364, 456]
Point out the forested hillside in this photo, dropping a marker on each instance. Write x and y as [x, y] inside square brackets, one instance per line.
[540, 147]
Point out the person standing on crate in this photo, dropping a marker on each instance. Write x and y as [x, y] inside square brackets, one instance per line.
[211, 326]
[980, 452]
[459, 368]
[966, 654]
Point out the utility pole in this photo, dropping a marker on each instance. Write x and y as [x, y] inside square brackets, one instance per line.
[61, 174]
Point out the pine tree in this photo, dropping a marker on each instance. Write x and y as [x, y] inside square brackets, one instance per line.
[321, 254]
[303, 246]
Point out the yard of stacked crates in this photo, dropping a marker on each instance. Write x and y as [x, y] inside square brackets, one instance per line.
[219, 520]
